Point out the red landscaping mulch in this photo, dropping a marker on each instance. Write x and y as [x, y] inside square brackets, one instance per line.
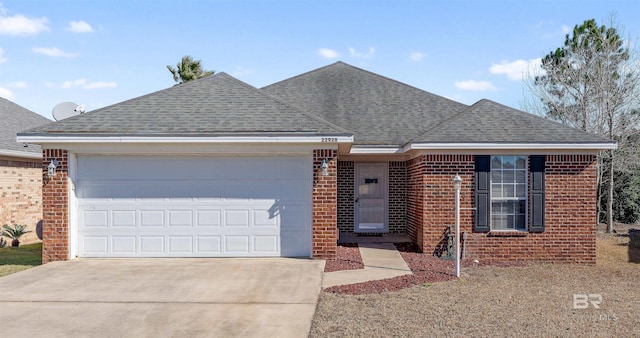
[347, 258]
[426, 269]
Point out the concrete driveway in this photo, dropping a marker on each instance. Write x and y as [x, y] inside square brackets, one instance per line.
[162, 298]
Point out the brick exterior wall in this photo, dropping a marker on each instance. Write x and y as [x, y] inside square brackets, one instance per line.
[325, 206]
[415, 199]
[570, 218]
[21, 195]
[55, 205]
[346, 189]
[397, 197]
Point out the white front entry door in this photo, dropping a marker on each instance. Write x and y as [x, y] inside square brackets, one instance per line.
[189, 206]
[371, 197]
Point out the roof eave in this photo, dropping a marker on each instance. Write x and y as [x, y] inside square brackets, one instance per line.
[316, 138]
[22, 154]
[507, 146]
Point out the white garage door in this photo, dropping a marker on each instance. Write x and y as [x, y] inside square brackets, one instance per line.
[153, 206]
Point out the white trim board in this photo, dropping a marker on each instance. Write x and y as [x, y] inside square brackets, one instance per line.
[326, 139]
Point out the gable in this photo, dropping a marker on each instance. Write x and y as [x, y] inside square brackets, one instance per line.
[490, 122]
[217, 105]
[378, 110]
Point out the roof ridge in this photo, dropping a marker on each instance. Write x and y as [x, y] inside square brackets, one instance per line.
[368, 72]
[188, 83]
[297, 109]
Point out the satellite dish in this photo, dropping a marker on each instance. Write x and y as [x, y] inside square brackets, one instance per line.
[65, 110]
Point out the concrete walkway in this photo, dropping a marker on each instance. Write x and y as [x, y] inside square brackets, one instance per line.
[381, 261]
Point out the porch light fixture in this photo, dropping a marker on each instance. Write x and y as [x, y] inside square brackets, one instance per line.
[51, 168]
[457, 184]
[325, 167]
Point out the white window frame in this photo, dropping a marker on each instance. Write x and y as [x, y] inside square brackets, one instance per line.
[526, 195]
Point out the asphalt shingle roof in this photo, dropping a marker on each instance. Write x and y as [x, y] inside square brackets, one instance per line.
[490, 122]
[382, 111]
[216, 105]
[13, 119]
[338, 99]
[378, 110]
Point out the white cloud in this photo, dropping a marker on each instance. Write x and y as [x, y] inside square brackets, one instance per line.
[565, 29]
[328, 53]
[356, 54]
[17, 84]
[80, 27]
[53, 51]
[21, 25]
[416, 56]
[100, 85]
[518, 69]
[6, 93]
[85, 84]
[2, 58]
[475, 85]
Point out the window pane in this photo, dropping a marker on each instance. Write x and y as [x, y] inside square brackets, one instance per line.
[496, 191]
[508, 190]
[511, 222]
[496, 162]
[496, 176]
[521, 223]
[509, 176]
[521, 191]
[508, 162]
[496, 208]
[522, 207]
[521, 162]
[499, 222]
[509, 207]
[521, 176]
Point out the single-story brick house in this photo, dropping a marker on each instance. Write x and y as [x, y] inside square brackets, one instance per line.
[20, 171]
[216, 167]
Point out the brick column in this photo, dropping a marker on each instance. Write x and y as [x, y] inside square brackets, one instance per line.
[325, 197]
[55, 207]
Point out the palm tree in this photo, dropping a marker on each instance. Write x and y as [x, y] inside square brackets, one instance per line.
[14, 233]
[188, 69]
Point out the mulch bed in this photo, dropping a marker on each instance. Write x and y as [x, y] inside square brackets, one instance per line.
[347, 258]
[426, 269]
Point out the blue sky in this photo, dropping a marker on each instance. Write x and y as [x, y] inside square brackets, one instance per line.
[99, 53]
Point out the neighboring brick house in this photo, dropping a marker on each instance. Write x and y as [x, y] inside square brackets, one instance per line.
[20, 170]
[216, 167]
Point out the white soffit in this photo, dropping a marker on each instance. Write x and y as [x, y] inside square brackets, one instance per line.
[169, 139]
[509, 146]
[25, 154]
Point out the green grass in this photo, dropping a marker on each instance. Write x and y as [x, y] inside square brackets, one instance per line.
[24, 257]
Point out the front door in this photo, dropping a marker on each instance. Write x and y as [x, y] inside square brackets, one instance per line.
[371, 197]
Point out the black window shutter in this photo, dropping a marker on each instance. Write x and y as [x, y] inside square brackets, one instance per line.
[483, 200]
[536, 193]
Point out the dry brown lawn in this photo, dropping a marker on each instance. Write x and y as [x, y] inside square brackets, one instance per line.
[535, 300]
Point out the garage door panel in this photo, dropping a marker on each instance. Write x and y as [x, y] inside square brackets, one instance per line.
[152, 244]
[123, 244]
[124, 218]
[238, 244]
[180, 218]
[265, 244]
[151, 218]
[209, 218]
[193, 207]
[209, 244]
